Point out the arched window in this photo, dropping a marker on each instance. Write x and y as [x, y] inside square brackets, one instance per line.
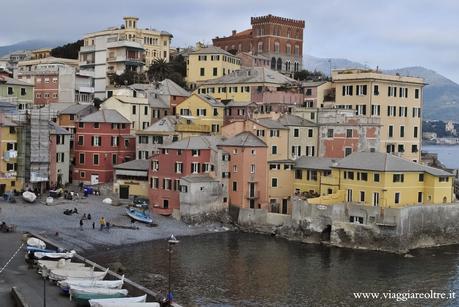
[288, 49]
[260, 47]
[296, 66]
[273, 63]
[279, 64]
[276, 47]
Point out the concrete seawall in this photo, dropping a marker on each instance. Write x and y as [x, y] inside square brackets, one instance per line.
[396, 230]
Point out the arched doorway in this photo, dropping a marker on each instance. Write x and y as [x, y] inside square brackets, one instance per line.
[273, 63]
[279, 64]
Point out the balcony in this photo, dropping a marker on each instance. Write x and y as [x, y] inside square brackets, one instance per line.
[130, 60]
[253, 195]
[180, 127]
[84, 49]
[86, 89]
[86, 63]
[124, 44]
[8, 175]
[10, 155]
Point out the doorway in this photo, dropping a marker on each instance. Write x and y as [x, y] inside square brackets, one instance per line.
[349, 195]
[124, 191]
[284, 206]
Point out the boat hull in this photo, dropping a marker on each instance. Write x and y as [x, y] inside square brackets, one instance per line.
[138, 216]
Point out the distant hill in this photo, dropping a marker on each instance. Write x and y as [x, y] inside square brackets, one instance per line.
[28, 45]
[441, 95]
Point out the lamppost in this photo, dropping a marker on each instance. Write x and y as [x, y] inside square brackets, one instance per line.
[44, 274]
[171, 242]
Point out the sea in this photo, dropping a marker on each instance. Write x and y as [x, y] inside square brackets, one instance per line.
[447, 154]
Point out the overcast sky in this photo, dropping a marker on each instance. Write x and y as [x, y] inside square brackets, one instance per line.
[390, 33]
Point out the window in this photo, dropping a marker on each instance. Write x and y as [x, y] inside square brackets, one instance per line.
[376, 110]
[235, 168]
[274, 133]
[80, 140]
[81, 158]
[391, 111]
[421, 177]
[362, 196]
[349, 175]
[391, 131]
[96, 125]
[95, 159]
[178, 167]
[252, 168]
[415, 132]
[376, 177]
[155, 165]
[254, 152]
[80, 125]
[215, 71]
[392, 91]
[126, 142]
[401, 148]
[330, 133]
[347, 151]
[145, 110]
[397, 198]
[310, 133]
[202, 72]
[416, 93]
[309, 92]
[347, 90]
[10, 90]
[82, 174]
[274, 150]
[398, 178]
[298, 174]
[114, 159]
[348, 133]
[414, 148]
[296, 132]
[23, 91]
[215, 127]
[443, 179]
[376, 90]
[195, 167]
[260, 133]
[234, 186]
[361, 90]
[274, 182]
[402, 131]
[195, 152]
[363, 176]
[215, 112]
[96, 141]
[134, 110]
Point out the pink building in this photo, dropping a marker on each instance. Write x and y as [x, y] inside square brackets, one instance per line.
[190, 156]
[102, 140]
[247, 168]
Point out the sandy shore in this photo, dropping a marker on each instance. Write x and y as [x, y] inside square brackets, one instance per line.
[49, 220]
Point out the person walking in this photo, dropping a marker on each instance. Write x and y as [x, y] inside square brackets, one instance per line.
[93, 225]
[81, 224]
[102, 223]
[108, 226]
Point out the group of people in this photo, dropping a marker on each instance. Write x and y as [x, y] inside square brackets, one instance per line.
[102, 222]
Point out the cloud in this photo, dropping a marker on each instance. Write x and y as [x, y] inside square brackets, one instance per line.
[385, 33]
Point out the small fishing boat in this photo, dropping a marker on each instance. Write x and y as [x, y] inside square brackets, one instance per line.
[60, 264]
[53, 255]
[34, 242]
[29, 196]
[120, 301]
[61, 274]
[34, 249]
[82, 294]
[66, 284]
[141, 215]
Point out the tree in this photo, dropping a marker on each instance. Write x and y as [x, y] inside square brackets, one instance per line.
[175, 70]
[159, 70]
[308, 75]
[128, 77]
[67, 51]
[97, 102]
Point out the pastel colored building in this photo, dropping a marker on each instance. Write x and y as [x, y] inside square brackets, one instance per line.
[382, 179]
[239, 110]
[395, 99]
[280, 186]
[253, 60]
[59, 153]
[206, 63]
[136, 109]
[303, 136]
[279, 39]
[205, 112]
[9, 179]
[17, 92]
[157, 135]
[103, 139]
[131, 179]
[247, 173]
[317, 93]
[190, 156]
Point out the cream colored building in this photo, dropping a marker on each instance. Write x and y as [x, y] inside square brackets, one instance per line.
[396, 100]
[303, 136]
[207, 63]
[136, 109]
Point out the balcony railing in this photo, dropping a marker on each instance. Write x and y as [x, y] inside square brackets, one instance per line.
[192, 128]
[253, 195]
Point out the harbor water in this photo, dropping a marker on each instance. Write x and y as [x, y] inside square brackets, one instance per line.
[447, 154]
[241, 269]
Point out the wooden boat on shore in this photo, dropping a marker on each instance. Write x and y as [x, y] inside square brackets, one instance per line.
[66, 284]
[131, 305]
[83, 294]
[60, 264]
[60, 274]
[119, 301]
[34, 242]
[54, 255]
[139, 215]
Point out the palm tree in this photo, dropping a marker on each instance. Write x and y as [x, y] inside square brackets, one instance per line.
[159, 70]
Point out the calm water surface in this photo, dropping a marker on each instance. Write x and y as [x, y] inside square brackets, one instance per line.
[447, 154]
[239, 269]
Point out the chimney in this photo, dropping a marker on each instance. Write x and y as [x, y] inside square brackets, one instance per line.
[234, 32]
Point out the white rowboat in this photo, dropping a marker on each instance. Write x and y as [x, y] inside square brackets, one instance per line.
[130, 305]
[91, 283]
[40, 255]
[85, 294]
[60, 264]
[120, 301]
[36, 243]
[61, 274]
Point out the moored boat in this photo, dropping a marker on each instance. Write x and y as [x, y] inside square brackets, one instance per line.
[61, 263]
[120, 301]
[54, 255]
[29, 197]
[66, 284]
[34, 242]
[83, 294]
[61, 274]
[139, 215]
[130, 305]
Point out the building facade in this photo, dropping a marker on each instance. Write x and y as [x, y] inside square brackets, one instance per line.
[103, 139]
[59, 153]
[277, 38]
[9, 180]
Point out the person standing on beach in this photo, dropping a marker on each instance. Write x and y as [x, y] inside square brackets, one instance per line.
[102, 223]
[81, 224]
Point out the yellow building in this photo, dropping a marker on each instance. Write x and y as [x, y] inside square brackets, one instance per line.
[280, 185]
[206, 63]
[8, 150]
[313, 176]
[396, 100]
[201, 113]
[381, 179]
[131, 179]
